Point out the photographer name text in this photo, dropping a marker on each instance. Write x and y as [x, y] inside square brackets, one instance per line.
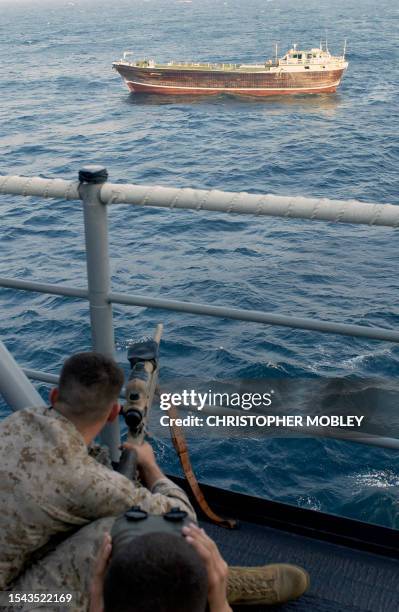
[252, 420]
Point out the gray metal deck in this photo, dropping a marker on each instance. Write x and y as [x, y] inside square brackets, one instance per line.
[342, 579]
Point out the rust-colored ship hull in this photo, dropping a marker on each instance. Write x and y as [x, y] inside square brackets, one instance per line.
[166, 81]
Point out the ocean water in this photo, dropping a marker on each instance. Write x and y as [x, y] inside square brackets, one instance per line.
[62, 106]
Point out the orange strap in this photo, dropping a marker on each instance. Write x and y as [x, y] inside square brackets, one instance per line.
[180, 445]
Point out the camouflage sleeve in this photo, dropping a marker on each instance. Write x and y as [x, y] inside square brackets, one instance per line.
[177, 497]
[109, 493]
[163, 488]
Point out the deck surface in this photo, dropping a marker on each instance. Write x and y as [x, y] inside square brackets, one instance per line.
[342, 579]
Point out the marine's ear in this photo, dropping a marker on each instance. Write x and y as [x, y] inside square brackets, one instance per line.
[115, 410]
[53, 396]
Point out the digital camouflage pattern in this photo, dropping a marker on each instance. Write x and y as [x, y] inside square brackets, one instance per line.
[68, 569]
[50, 486]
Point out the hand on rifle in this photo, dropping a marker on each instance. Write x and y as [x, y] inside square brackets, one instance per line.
[147, 464]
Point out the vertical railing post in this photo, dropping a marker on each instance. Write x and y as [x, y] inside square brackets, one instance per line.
[98, 278]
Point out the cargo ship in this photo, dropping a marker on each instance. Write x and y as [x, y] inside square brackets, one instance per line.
[312, 71]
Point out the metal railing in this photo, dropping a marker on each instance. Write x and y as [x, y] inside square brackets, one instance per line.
[96, 194]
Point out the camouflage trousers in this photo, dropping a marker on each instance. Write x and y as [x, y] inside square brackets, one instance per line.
[67, 569]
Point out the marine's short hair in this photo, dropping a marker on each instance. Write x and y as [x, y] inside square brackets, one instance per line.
[156, 572]
[89, 383]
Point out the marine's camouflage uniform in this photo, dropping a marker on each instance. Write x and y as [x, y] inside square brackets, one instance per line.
[68, 569]
[49, 484]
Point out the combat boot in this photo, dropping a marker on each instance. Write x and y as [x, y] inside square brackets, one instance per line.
[267, 584]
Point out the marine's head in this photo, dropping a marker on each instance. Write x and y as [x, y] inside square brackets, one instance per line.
[156, 572]
[89, 389]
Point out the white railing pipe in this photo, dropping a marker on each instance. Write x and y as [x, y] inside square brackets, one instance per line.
[15, 387]
[315, 209]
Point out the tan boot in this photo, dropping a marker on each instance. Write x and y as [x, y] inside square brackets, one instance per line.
[268, 584]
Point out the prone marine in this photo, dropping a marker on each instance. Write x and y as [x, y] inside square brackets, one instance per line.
[57, 500]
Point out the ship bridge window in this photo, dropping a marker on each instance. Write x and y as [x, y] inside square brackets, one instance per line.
[300, 56]
[309, 56]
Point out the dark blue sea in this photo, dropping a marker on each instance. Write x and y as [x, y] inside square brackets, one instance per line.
[62, 106]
